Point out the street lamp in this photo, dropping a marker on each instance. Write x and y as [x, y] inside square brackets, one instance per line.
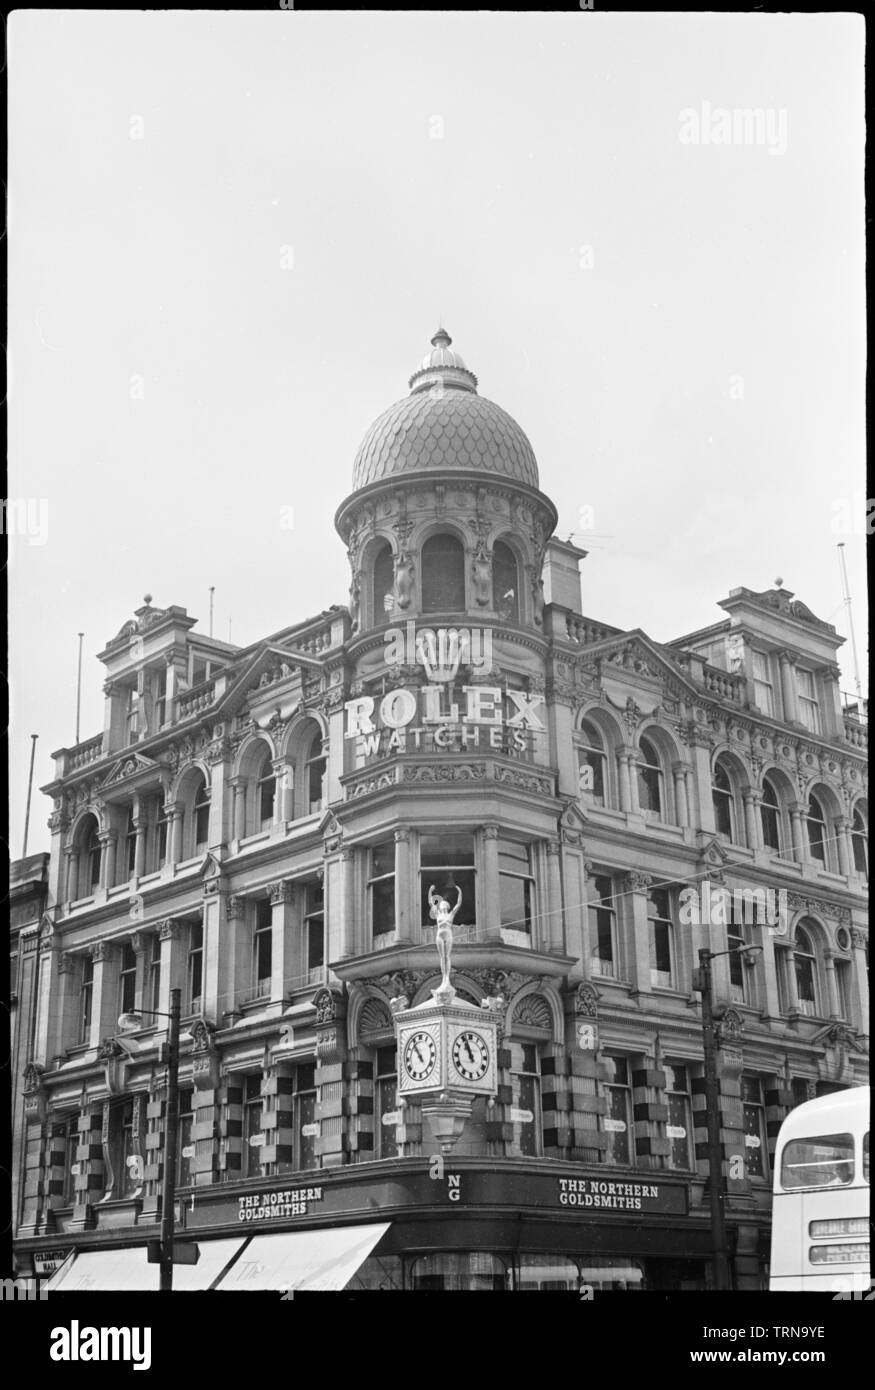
[703, 982]
[168, 1188]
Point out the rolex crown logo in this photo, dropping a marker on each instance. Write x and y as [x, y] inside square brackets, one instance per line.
[442, 653]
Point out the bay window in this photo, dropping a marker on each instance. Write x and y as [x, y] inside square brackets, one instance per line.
[381, 891]
[447, 863]
[515, 886]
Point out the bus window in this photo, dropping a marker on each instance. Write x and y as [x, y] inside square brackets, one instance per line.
[824, 1161]
[866, 1156]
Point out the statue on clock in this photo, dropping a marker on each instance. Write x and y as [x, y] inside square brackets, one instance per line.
[443, 917]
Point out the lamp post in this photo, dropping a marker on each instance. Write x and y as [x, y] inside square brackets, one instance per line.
[703, 982]
[171, 1130]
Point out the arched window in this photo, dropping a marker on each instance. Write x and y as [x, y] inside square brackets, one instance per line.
[816, 823]
[591, 781]
[805, 965]
[650, 780]
[860, 843]
[770, 817]
[314, 772]
[505, 583]
[199, 836]
[443, 575]
[724, 800]
[383, 585]
[91, 842]
[265, 786]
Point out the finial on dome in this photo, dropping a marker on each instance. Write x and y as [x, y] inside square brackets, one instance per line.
[779, 582]
[147, 598]
[441, 338]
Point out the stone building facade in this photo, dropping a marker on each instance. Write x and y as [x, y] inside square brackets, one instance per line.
[260, 826]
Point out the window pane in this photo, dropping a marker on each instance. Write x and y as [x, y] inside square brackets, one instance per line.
[513, 856]
[383, 906]
[443, 575]
[826, 1161]
[447, 882]
[516, 903]
[383, 859]
[456, 850]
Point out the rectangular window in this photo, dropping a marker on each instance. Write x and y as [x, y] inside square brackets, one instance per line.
[161, 834]
[159, 691]
[314, 926]
[305, 1115]
[132, 717]
[128, 1176]
[386, 1102]
[516, 886]
[381, 890]
[131, 845]
[603, 928]
[824, 1161]
[127, 979]
[253, 1138]
[447, 864]
[526, 1101]
[843, 988]
[680, 1126]
[155, 972]
[617, 1121]
[809, 709]
[660, 929]
[754, 1122]
[764, 696]
[184, 1143]
[195, 967]
[262, 952]
[799, 1087]
[86, 997]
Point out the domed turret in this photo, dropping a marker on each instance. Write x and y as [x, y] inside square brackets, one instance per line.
[444, 424]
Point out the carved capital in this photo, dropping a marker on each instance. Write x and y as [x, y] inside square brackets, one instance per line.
[636, 882]
[281, 891]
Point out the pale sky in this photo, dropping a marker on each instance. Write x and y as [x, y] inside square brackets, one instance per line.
[695, 377]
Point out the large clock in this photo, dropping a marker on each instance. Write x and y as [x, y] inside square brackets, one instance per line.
[470, 1055]
[420, 1056]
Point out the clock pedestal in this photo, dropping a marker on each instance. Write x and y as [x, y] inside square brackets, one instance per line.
[447, 1056]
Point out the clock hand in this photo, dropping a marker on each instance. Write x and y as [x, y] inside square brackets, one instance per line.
[419, 1055]
[468, 1049]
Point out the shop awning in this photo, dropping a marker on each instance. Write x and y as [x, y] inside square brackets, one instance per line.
[125, 1271]
[306, 1261]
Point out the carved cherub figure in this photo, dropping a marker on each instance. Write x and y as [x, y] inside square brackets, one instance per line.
[443, 916]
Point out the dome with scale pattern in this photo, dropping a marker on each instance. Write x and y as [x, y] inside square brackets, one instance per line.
[444, 424]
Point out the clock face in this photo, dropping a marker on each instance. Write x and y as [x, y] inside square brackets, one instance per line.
[471, 1056]
[420, 1055]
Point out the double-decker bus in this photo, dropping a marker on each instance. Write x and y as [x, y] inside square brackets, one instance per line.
[820, 1212]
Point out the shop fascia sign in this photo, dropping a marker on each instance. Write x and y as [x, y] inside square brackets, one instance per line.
[440, 716]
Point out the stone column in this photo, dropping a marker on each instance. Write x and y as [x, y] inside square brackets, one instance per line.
[843, 848]
[141, 826]
[174, 846]
[227, 962]
[789, 963]
[238, 791]
[769, 975]
[788, 688]
[798, 832]
[283, 965]
[752, 801]
[832, 993]
[858, 939]
[348, 944]
[104, 998]
[174, 952]
[405, 929]
[554, 935]
[490, 888]
[636, 886]
[623, 759]
[702, 814]
[284, 795]
[107, 840]
[141, 943]
[71, 874]
[682, 810]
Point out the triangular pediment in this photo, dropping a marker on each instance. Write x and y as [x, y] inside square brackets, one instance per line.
[131, 765]
[714, 856]
[210, 867]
